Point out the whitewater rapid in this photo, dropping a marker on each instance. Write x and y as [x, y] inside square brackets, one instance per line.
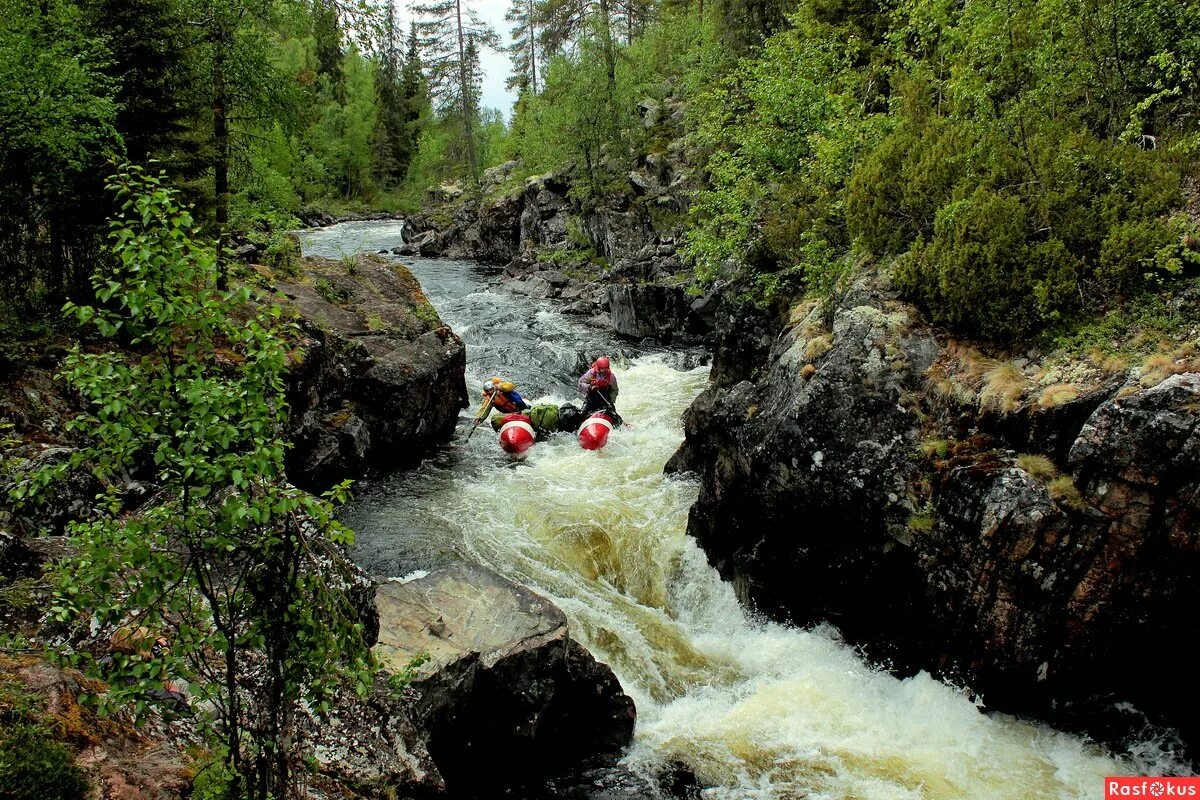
[755, 709]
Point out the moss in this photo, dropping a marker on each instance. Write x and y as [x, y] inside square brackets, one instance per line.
[935, 448]
[33, 768]
[921, 522]
[330, 293]
[425, 312]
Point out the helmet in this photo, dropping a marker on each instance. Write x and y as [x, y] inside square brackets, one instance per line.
[489, 385]
[601, 363]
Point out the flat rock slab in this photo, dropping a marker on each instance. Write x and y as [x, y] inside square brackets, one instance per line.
[460, 612]
[506, 697]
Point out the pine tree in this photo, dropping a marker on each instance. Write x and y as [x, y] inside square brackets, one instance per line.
[523, 14]
[450, 37]
[152, 57]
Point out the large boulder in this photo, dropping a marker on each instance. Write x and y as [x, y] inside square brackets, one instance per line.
[546, 212]
[1033, 554]
[505, 695]
[378, 377]
[650, 310]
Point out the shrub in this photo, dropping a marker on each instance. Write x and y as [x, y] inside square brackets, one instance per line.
[35, 767]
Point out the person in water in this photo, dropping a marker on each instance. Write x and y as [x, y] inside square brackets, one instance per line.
[502, 396]
[599, 387]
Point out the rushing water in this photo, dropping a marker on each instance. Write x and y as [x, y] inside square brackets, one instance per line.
[755, 709]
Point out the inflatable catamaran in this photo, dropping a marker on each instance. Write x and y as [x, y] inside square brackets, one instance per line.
[519, 432]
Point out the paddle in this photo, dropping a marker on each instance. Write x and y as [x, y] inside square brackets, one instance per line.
[483, 412]
[613, 409]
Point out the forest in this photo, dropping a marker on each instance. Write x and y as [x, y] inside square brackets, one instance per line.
[1016, 164]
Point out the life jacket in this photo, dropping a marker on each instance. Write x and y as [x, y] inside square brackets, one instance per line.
[505, 403]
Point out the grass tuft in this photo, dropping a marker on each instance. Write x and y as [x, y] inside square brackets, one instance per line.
[1058, 394]
[1064, 492]
[817, 347]
[1039, 467]
[1003, 386]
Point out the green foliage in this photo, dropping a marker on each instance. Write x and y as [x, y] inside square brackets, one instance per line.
[230, 558]
[398, 681]
[34, 767]
[57, 125]
[1016, 167]
[585, 117]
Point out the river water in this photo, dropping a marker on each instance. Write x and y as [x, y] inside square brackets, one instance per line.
[756, 709]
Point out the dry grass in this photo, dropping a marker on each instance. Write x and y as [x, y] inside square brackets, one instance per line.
[1157, 368]
[808, 371]
[1058, 394]
[1111, 363]
[1040, 467]
[817, 347]
[1064, 492]
[1003, 386]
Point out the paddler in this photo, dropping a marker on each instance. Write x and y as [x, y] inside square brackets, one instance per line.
[503, 397]
[599, 387]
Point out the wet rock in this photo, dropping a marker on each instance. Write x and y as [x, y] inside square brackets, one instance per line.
[649, 310]
[380, 377]
[248, 252]
[506, 694]
[1040, 591]
[603, 783]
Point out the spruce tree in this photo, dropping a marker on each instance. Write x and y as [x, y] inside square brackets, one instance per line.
[523, 14]
[449, 33]
[394, 141]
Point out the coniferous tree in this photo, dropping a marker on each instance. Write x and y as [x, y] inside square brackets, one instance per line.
[566, 22]
[394, 143]
[327, 33]
[152, 61]
[449, 29]
[523, 14]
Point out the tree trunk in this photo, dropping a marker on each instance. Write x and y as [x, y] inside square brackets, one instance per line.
[610, 55]
[220, 109]
[532, 34]
[465, 93]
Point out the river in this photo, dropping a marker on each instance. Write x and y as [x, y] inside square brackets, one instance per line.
[756, 709]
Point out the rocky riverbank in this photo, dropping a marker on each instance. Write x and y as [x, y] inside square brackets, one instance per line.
[379, 377]
[616, 261]
[485, 691]
[1022, 527]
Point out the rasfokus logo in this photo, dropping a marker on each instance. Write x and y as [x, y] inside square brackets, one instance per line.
[1151, 787]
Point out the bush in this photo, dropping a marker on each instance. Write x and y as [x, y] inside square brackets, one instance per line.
[35, 767]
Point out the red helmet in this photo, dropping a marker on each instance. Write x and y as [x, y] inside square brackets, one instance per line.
[601, 364]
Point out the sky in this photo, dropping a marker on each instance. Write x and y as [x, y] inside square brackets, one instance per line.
[495, 65]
